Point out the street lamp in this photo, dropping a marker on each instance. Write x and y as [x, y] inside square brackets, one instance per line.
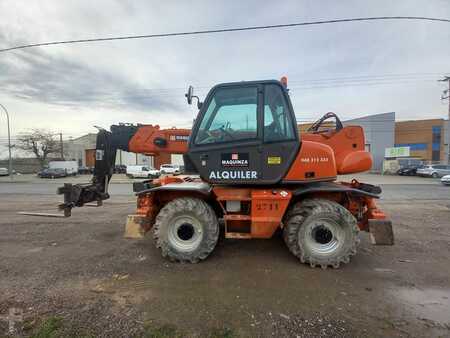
[10, 171]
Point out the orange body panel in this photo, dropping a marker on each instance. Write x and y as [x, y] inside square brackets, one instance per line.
[268, 208]
[314, 162]
[262, 210]
[143, 142]
[348, 145]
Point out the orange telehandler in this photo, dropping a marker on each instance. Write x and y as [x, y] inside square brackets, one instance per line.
[247, 165]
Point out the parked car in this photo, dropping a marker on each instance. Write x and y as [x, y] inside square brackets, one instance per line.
[141, 171]
[170, 169]
[52, 173]
[120, 169]
[71, 167]
[410, 170]
[85, 170]
[4, 172]
[434, 170]
[445, 180]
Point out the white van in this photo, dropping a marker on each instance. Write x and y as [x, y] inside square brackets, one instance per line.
[141, 171]
[70, 167]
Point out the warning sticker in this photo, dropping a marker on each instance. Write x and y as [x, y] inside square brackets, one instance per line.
[274, 160]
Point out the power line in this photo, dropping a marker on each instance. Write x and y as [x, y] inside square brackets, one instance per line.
[149, 93]
[228, 30]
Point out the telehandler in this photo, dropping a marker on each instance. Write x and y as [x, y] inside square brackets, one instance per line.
[249, 166]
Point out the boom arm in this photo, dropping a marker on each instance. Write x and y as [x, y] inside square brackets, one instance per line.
[142, 139]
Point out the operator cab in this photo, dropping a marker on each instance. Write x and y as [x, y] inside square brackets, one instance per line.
[245, 132]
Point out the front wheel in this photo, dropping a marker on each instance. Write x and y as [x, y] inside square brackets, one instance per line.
[321, 233]
[186, 230]
[435, 175]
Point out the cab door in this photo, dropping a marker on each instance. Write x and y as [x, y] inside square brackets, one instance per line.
[280, 134]
[225, 146]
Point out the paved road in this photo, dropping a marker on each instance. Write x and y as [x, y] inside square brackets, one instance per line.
[390, 191]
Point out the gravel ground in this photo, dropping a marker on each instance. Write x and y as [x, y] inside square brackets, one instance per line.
[78, 276]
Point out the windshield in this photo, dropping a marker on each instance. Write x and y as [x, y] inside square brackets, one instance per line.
[231, 115]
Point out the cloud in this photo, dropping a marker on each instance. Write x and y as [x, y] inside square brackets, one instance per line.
[35, 76]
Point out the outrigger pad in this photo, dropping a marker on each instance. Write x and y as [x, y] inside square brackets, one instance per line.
[136, 226]
[381, 232]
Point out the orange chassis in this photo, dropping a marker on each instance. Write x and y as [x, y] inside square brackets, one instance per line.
[262, 209]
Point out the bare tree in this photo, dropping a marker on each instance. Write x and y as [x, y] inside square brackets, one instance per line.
[39, 142]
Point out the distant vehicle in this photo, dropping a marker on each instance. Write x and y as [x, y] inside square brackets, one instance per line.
[52, 173]
[409, 162]
[170, 169]
[120, 169]
[434, 170]
[141, 171]
[409, 170]
[71, 167]
[445, 180]
[85, 170]
[4, 172]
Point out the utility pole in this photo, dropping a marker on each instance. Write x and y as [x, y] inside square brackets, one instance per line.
[446, 96]
[446, 93]
[10, 170]
[61, 146]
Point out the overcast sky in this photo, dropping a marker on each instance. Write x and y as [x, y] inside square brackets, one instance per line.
[353, 69]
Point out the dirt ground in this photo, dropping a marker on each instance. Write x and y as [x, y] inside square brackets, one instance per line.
[80, 277]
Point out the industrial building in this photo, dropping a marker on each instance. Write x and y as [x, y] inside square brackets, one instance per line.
[427, 139]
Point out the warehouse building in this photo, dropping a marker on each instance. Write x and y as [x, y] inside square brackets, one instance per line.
[427, 140]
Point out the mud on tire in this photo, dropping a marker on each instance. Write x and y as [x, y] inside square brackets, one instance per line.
[186, 230]
[321, 233]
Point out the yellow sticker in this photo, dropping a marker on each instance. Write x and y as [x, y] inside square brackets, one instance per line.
[274, 160]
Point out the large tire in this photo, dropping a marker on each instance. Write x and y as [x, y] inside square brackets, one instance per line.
[186, 230]
[321, 233]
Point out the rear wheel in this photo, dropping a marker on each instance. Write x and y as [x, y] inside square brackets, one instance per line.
[186, 230]
[321, 233]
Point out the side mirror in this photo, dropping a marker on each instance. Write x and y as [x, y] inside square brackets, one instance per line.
[189, 94]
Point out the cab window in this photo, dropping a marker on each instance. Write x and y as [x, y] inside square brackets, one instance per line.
[277, 121]
[231, 115]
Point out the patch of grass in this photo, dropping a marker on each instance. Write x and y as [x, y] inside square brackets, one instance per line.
[53, 327]
[222, 333]
[165, 331]
[48, 328]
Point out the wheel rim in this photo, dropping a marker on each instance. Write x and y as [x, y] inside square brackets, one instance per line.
[185, 233]
[323, 236]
